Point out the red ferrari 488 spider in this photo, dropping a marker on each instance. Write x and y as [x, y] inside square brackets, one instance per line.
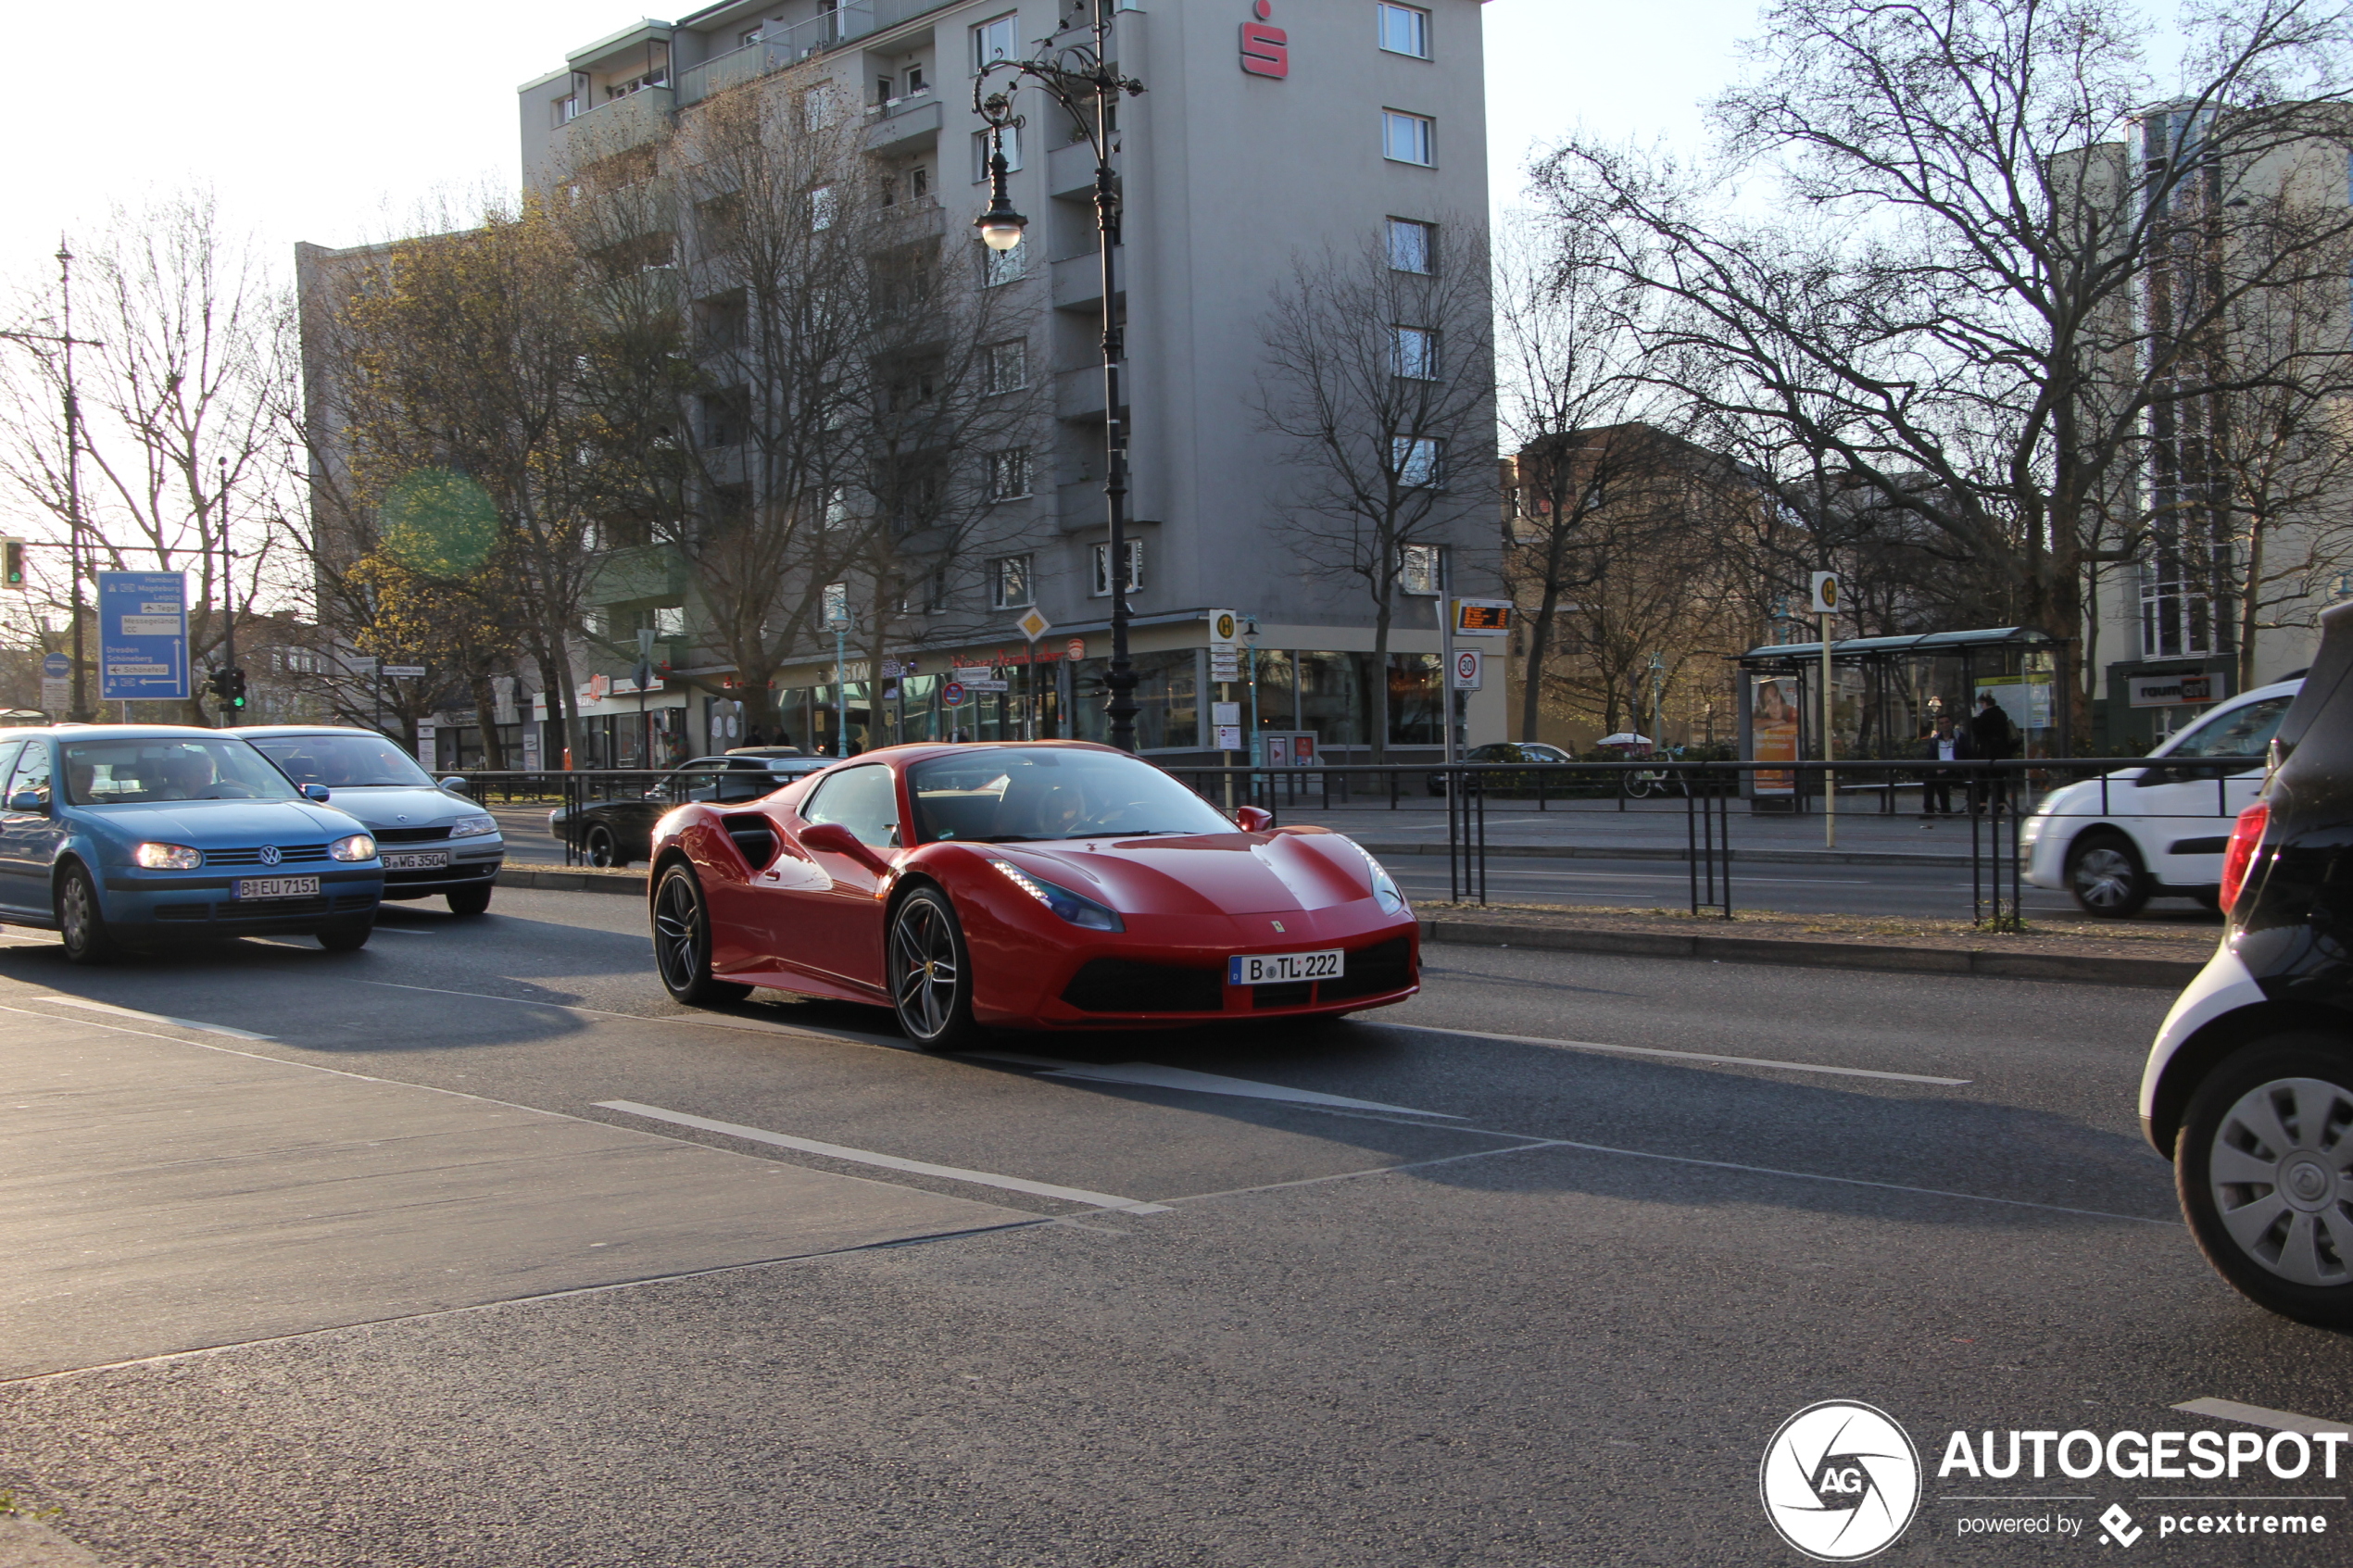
[1050, 885]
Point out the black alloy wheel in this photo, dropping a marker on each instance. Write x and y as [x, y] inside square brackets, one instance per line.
[682, 943]
[80, 922]
[346, 936]
[2261, 1165]
[470, 900]
[600, 849]
[2105, 874]
[930, 973]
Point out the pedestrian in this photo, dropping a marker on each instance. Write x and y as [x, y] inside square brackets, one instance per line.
[755, 736]
[1947, 746]
[1992, 738]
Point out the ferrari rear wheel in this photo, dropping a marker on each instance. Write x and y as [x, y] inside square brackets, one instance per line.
[930, 973]
[682, 943]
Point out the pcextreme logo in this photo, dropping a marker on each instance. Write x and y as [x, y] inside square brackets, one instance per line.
[1840, 1481]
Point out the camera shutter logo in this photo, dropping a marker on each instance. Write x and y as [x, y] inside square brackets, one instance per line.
[1841, 1481]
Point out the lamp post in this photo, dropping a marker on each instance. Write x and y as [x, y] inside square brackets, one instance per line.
[1081, 80]
[67, 341]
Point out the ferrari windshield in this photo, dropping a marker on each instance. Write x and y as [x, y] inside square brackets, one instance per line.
[125, 773]
[343, 761]
[1004, 795]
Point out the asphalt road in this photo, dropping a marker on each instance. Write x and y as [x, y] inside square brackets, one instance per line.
[495, 1257]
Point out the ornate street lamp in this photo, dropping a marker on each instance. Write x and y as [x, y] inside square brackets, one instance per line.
[1080, 79]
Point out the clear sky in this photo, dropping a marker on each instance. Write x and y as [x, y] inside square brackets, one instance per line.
[333, 122]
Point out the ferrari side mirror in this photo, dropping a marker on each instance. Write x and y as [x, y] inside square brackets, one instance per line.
[1253, 819]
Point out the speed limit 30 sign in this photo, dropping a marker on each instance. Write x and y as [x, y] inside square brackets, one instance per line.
[1470, 669]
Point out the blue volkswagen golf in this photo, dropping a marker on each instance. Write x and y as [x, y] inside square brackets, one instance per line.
[119, 836]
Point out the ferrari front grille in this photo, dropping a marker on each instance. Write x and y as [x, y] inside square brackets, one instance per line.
[1128, 986]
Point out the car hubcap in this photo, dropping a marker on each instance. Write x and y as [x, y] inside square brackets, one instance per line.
[2104, 877]
[77, 912]
[676, 935]
[2278, 1173]
[925, 957]
[599, 849]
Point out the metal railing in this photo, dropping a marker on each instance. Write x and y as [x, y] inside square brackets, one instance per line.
[1997, 798]
[773, 51]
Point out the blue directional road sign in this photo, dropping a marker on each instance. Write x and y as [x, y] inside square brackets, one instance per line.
[143, 635]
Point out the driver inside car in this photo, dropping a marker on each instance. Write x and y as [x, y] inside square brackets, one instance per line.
[186, 775]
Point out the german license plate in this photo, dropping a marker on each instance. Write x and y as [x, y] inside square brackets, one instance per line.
[414, 859]
[277, 887]
[1277, 968]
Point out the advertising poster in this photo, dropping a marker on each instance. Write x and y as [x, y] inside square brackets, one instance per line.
[1773, 729]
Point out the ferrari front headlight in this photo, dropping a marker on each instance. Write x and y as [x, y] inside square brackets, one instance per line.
[1386, 893]
[1076, 907]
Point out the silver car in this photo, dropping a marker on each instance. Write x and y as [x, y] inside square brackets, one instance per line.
[435, 842]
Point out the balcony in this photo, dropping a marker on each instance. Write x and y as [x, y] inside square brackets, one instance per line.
[618, 124]
[1078, 282]
[774, 52]
[905, 122]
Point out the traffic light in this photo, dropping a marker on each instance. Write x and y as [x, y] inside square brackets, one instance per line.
[238, 690]
[12, 564]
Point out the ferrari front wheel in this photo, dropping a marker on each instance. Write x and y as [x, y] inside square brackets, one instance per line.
[930, 973]
[682, 943]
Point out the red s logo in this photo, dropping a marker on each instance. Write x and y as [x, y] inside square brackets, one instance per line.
[1266, 50]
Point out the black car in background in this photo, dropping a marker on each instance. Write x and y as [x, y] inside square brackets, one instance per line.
[2250, 1086]
[1506, 751]
[614, 833]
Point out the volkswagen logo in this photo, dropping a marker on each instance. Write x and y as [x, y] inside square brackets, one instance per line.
[1840, 1481]
[269, 856]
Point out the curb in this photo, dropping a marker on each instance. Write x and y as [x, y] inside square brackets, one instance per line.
[1955, 858]
[26, 1542]
[2169, 974]
[574, 879]
[1653, 852]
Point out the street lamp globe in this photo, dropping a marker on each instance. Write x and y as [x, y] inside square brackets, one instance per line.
[1001, 227]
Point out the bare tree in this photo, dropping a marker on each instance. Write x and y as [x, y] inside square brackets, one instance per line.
[187, 346]
[450, 366]
[1954, 313]
[1380, 374]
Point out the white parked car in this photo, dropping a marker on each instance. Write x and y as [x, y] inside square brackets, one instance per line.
[2157, 831]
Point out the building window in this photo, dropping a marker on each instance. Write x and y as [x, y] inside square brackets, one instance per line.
[993, 39]
[1006, 366]
[1101, 589]
[1009, 474]
[919, 181]
[1408, 138]
[822, 208]
[670, 621]
[834, 515]
[1412, 247]
[1009, 582]
[1004, 266]
[817, 109]
[567, 111]
[1420, 569]
[1413, 354]
[980, 153]
[1421, 461]
[1404, 31]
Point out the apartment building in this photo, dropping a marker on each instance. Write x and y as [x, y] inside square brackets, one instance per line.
[1270, 130]
[2247, 498]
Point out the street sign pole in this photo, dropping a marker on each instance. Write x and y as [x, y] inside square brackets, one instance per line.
[1446, 654]
[1825, 603]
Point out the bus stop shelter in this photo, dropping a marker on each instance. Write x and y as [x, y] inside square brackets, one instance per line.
[1888, 691]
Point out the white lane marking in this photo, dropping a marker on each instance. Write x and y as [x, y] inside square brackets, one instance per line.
[2256, 1415]
[888, 1162]
[1683, 1056]
[154, 1016]
[1415, 872]
[1153, 1075]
